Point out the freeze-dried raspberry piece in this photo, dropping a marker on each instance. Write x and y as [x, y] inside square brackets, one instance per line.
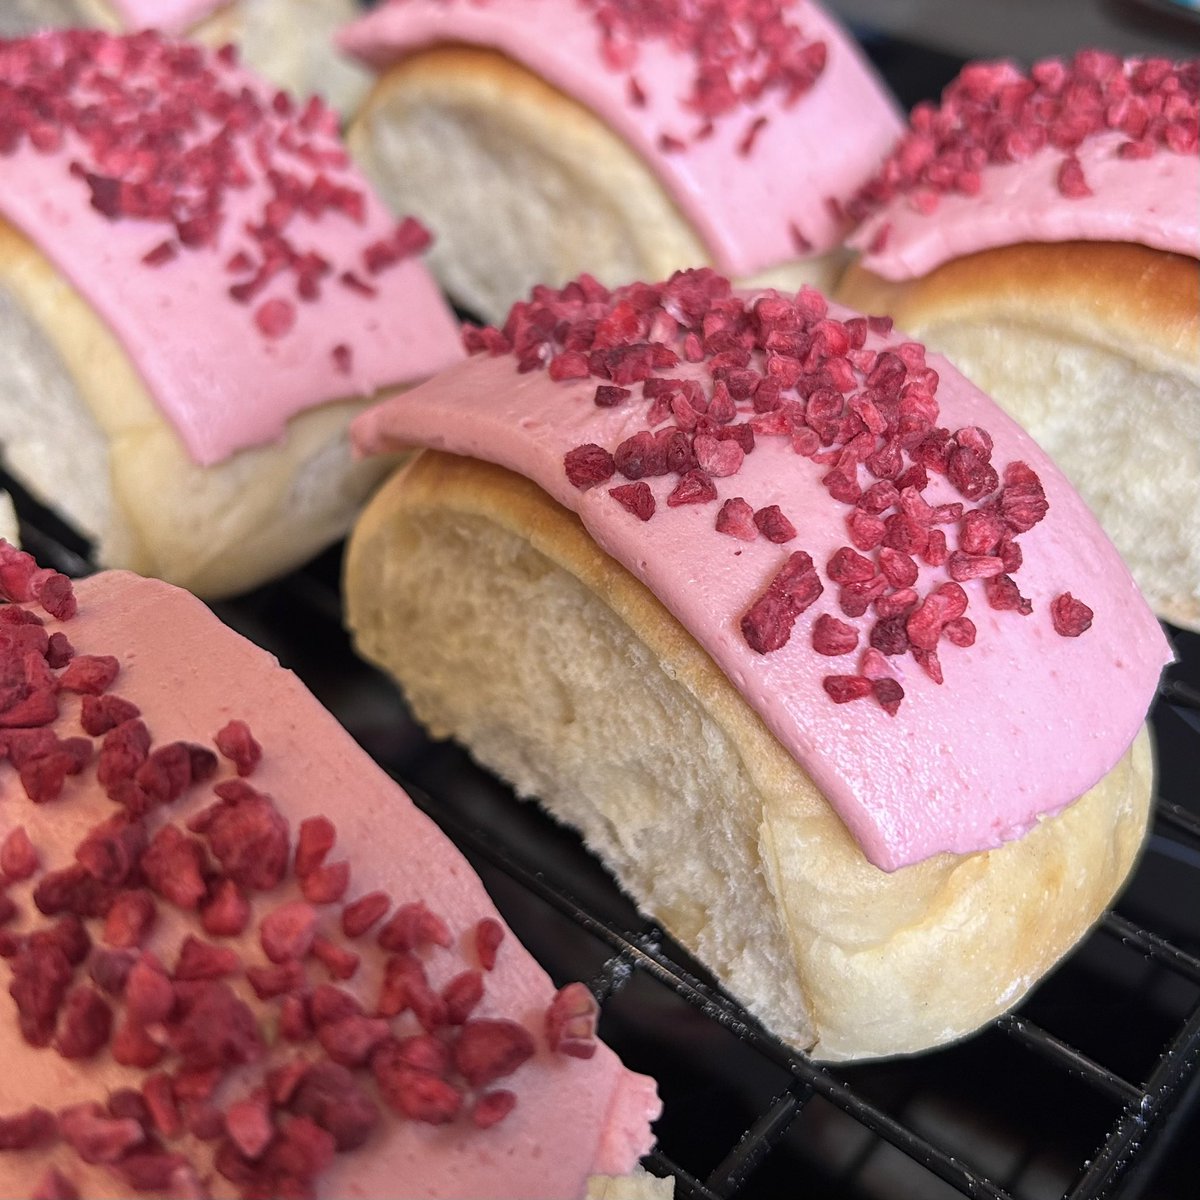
[588, 465]
[361, 914]
[91, 674]
[202, 960]
[235, 741]
[112, 850]
[85, 1024]
[247, 834]
[1069, 616]
[173, 865]
[327, 883]
[636, 498]
[833, 637]
[888, 693]
[571, 1019]
[351, 1040]
[226, 911]
[848, 566]
[18, 856]
[99, 714]
[695, 487]
[97, 1137]
[340, 962]
[328, 1094]
[767, 624]
[277, 980]
[489, 933]
[736, 518]
[413, 926]
[216, 1030]
[774, 526]
[461, 995]
[842, 689]
[492, 1107]
[314, 840]
[1003, 594]
[488, 1049]
[26, 1129]
[287, 931]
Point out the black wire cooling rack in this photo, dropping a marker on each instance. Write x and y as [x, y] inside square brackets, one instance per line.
[1089, 1090]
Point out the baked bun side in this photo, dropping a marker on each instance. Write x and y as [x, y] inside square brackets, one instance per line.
[522, 185]
[509, 629]
[80, 430]
[1095, 348]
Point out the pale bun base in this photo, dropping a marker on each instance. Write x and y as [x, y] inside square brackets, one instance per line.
[509, 630]
[79, 430]
[521, 185]
[290, 42]
[1095, 348]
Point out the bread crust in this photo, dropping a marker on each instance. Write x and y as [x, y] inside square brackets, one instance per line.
[522, 185]
[1095, 348]
[759, 877]
[214, 530]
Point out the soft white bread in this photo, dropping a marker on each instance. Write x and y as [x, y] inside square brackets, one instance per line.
[1095, 348]
[80, 431]
[288, 41]
[509, 629]
[9, 529]
[519, 183]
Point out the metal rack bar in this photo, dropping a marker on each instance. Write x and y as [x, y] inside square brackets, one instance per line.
[1073, 1061]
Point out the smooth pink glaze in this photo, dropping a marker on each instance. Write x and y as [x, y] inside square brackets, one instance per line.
[171, 16]
[1026, 720]
[216, 378]
[189, 674]
[744, 207]
[1155, 201]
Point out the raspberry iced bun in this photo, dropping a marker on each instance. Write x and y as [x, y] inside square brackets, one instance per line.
[197, 292]
[542, 138]
[1042, 228]
[811, 640]
[236, 960]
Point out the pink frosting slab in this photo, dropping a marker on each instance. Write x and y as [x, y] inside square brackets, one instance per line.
[189, 674]
[171, 16]
[1155, 201]
[744, 207]
[1026, 720]
[221, 383]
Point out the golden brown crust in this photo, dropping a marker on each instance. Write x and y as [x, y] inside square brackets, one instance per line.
[852, 961]
[1145, 302]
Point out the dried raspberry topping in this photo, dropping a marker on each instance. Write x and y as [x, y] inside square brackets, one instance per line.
[994, 113]
[209, 1031]
[741, 54]
[170, 135]
[1071, 617]
[863, 410]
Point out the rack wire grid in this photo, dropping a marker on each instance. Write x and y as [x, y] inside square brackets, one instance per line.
[1089, 1090]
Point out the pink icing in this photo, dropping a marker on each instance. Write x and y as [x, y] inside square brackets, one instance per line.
[217, 379]
[1026, 720]
[1152, 200]
[171, 16]
[818, 149]
[573, 1117]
